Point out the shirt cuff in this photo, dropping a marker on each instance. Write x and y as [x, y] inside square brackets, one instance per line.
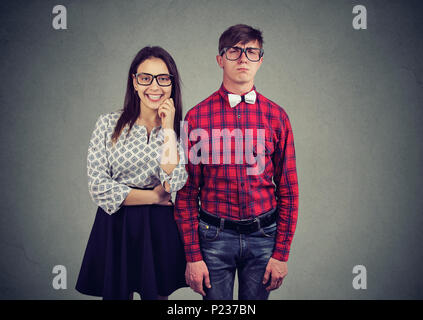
[164, 176]
[193, 253]
[116, 200]
[281, 252]
[279, 256]
[177, 178]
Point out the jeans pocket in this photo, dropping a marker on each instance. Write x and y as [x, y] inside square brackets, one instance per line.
[269, 231]
[208, 232]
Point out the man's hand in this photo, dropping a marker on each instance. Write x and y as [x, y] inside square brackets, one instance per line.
[195, 273]
[277, 270]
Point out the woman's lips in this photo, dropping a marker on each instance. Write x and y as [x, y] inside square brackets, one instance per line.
[154, 97]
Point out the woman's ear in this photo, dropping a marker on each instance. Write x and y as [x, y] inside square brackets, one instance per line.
[134, 83]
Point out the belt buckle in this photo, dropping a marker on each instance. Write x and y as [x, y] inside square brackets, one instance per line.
[247, 222]
[246, 226]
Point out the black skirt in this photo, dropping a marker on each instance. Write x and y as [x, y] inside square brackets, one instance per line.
[136, 249]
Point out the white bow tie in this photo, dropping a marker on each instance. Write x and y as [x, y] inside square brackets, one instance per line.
[234, 99]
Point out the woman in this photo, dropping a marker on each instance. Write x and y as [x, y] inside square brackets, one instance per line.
[134, 163]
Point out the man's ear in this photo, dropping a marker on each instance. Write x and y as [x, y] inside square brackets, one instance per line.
[260, 62]
[219, 60]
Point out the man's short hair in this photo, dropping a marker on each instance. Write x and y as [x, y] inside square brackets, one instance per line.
[239, 33]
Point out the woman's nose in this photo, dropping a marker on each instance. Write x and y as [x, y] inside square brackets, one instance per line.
[154, 84]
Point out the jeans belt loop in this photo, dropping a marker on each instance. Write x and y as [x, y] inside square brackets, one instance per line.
[258, 224]
[222, 224]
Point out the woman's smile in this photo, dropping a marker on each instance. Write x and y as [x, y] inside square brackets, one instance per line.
[154, 97]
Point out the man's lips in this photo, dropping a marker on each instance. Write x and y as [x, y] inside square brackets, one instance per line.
[242, 69]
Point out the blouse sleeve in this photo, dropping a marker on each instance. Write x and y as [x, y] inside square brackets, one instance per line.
[178, 177]
[105, 192]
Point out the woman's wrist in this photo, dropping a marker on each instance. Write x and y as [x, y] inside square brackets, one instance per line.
[154, 197]
[168, 131]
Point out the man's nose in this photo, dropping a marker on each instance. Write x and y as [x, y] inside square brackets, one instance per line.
[243, 57]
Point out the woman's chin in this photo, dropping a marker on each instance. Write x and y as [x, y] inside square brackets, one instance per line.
[152, 105]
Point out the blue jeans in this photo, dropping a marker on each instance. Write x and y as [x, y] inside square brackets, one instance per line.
[225, 251]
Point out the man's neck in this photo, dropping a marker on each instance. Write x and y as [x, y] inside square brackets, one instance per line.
[238, 88]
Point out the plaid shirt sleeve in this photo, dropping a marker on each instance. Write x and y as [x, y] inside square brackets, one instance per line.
[285, 177]
[186, 203]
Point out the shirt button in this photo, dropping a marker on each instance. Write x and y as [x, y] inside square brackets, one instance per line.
[239, 116]
[242, 184]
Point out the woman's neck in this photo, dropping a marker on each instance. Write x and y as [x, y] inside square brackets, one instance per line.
[148, 117]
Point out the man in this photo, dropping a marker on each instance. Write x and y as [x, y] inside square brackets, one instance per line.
[246, 221]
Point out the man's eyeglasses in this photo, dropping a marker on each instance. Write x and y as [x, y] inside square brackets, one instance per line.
[234, 53]
[145, 79]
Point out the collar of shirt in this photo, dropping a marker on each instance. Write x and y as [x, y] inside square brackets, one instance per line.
[156, 132]
[224, 94]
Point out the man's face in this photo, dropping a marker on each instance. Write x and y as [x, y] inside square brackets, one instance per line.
[241, 71]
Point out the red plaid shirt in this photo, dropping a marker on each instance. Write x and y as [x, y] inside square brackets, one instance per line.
[226, 190]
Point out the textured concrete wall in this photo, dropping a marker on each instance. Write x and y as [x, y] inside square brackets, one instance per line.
[354, 98]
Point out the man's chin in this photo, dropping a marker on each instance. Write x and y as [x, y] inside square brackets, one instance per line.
[242, 82]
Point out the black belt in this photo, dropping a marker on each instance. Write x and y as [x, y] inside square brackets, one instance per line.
[241, 226]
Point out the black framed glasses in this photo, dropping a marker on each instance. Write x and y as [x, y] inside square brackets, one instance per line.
[234, 53]
[145, 79]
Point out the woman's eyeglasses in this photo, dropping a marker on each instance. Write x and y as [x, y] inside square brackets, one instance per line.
[145, 79]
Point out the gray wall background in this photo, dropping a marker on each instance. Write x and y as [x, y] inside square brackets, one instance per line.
[354, 99]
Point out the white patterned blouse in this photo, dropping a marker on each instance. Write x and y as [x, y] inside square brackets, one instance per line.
[133, 162]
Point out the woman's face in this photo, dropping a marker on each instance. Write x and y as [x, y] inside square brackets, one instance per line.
[153, 95]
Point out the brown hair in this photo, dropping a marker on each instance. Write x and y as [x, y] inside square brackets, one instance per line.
[239, 33]
[131, 106]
